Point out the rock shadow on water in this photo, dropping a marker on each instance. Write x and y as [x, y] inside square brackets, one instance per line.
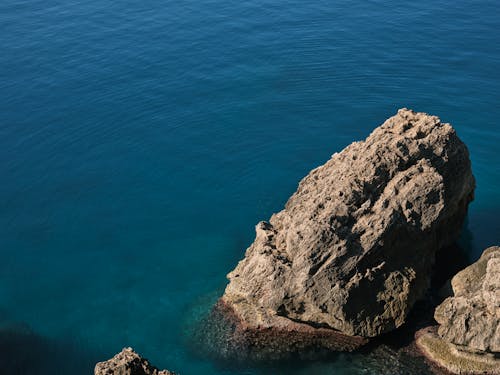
[23, 351]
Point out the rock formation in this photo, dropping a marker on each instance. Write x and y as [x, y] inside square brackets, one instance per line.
[128, 362]
[468, 338]
[354, 247]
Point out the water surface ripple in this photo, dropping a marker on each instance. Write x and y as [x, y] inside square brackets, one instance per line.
[140, 142]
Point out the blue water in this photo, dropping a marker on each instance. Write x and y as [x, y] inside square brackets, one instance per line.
[140, 142]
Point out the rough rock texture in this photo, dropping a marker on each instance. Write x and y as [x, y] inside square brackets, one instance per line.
[128, 362]
[471, 317]
[468, 338]
[354, 246]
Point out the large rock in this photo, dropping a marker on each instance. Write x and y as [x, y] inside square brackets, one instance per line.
[468, 338]
[128, 362]
[354, 247]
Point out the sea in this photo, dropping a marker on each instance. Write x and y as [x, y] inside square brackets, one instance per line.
[141, 141]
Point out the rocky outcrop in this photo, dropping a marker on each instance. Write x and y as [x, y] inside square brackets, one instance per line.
[128, 362]
[353, 248]
[471, 317]
[467, 340]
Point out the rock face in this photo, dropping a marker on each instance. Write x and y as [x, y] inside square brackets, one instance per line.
[354, 246]
[128, 362]
[471, 317]
[468, 338]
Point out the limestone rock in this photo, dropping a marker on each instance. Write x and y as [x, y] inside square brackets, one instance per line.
[447, 358]
[128, 362]
[468, 338]
[354, 247]
[471, 318]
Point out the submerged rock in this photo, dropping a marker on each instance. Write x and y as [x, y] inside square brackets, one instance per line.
[128, 362]
[467, 340]
[354, 247]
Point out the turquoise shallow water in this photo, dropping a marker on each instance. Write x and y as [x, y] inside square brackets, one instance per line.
[140, 142]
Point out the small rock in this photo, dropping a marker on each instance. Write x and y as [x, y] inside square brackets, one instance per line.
[128, 362]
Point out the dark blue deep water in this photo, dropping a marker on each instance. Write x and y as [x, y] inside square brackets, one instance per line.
[140, 142]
